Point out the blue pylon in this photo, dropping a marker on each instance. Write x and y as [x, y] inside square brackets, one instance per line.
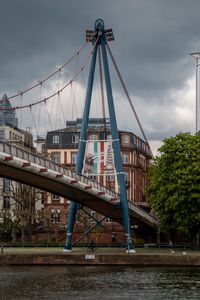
[99, 37]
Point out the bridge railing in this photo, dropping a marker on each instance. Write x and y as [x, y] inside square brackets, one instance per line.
[141, 211]
[49, 164]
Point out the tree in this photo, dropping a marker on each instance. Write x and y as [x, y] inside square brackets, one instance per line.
[23, 206]
[174, 184]
[45, 223]
[6, 226]
[49, 222]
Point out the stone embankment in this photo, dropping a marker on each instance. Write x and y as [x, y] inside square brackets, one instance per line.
[139, 259]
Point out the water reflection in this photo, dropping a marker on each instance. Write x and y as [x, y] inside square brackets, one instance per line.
[98, 283]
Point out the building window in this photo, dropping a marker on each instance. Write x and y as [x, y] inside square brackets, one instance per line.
[55, 215]
[93, 137]
[55, 156]
[55, 197]
[75, 139]
[125, 158]
[73, 157]
[55, 139]
[2, 135]
[143, 146]
[6, 185]
[6, 202]
[126, 178]
[93, 177]
[42, 198]
[125, 139]
[93, 214]
[18, 207]
[108, 220]
[139, 143]
[134, 139]
[110, 177]
[65, 157]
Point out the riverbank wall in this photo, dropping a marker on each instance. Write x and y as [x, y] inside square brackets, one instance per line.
[139, 260]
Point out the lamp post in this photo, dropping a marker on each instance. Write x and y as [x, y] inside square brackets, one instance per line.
[196, 56]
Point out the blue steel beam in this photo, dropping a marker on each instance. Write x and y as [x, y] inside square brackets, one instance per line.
[100, 34]
[81, 149]
[117, 151]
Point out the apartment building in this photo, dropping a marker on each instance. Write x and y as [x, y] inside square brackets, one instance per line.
[62, 147]
[10, 133]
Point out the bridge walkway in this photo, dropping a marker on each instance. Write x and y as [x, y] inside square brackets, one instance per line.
[29, 168]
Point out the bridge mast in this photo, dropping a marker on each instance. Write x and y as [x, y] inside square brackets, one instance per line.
[99, 38]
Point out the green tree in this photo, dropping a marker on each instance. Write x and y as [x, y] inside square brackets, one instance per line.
[174, 184]
[6, 225]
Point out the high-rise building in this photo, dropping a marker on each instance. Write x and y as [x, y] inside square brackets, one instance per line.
[7, 115]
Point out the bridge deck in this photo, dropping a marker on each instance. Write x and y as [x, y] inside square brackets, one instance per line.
[29, 168]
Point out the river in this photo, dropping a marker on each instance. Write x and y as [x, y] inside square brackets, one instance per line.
[98, 282]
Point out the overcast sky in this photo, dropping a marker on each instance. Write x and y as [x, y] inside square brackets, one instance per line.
[153, 40]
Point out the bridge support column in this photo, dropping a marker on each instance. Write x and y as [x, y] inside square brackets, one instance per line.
[117, 153]
[99, 38]
[70, 226]
[81, 150]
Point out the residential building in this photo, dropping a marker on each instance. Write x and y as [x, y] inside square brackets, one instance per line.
[62, 147]
[11, 134]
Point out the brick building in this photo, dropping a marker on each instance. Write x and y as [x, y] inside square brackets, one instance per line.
[62, 147]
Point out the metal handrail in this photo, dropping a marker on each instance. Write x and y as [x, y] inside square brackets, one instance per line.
[44, 162]
[141, 210]
[49, 164]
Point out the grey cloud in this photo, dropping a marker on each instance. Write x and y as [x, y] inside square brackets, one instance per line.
[153, 40]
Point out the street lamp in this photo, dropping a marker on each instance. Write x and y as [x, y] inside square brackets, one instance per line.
[196, 56]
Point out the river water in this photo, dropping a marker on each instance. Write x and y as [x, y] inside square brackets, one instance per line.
[102, 282]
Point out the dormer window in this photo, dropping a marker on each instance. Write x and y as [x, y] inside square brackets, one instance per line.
[55, 139]
[75, 139]
[125, 139]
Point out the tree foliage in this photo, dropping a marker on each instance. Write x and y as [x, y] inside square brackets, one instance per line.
[174, 184]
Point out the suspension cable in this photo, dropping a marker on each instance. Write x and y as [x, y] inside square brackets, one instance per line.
[49, 119]
[34, 122]
[128, 97]
[57, 92]
[102, 89]
[50, 75]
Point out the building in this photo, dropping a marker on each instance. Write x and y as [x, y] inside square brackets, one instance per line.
[62, 147]
[10, 133]
[7, 115]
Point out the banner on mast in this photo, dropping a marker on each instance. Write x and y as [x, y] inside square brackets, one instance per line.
[99, 159]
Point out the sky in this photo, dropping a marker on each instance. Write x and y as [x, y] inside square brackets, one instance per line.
[153, 42]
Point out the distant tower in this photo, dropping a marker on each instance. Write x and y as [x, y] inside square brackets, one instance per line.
[197, 119]
[7, 115]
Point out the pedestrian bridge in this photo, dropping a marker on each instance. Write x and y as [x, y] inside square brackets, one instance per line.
[27, 167]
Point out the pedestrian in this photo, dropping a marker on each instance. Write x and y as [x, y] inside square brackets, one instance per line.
[171, 246]
[92, 245]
